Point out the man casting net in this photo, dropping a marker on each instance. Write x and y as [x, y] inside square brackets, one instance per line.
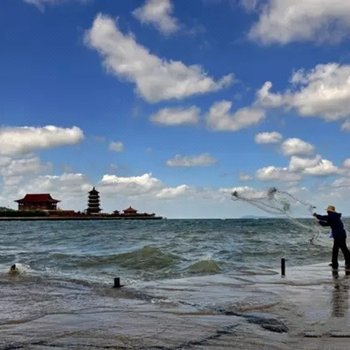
[281, 203]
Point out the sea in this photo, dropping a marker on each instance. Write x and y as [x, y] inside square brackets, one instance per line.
[64, 267]
[137, 250]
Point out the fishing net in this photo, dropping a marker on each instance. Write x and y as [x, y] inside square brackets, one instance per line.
[281, 203]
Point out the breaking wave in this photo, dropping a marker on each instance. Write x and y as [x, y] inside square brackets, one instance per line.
[204, 267]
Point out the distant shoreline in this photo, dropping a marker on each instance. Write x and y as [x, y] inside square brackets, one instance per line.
[77, 218]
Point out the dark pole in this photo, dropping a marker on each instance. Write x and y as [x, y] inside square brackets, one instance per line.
[117, 283]
[283, 267]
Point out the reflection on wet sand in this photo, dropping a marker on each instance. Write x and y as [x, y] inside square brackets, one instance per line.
[340, 293]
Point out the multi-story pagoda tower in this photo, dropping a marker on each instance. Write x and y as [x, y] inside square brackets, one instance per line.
[93, 202]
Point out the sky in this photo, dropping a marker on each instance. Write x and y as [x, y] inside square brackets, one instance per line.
[169, 106]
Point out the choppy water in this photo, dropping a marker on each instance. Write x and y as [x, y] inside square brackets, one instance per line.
[187, 279]
[151, 250]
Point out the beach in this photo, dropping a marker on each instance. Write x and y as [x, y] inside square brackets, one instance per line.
[187, 284]
[306, 309]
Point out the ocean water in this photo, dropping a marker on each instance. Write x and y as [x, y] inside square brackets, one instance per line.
[99, 251]
[185, 282]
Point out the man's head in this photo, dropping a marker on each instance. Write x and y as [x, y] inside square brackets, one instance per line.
[331, 208]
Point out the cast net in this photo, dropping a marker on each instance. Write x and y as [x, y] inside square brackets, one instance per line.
[281, 203]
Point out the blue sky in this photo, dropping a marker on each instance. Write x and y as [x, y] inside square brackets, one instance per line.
[170, 105]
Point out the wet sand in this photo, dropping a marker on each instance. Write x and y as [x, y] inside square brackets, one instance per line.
[306, 309]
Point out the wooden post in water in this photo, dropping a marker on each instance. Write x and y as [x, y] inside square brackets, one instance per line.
[117, 283]
[283, 267]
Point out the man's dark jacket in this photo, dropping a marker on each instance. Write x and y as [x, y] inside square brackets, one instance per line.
[333, 220]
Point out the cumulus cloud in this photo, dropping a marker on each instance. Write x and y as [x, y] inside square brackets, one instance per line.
[159, 14]
[66, 185]
[172, 192]
[313, 166]
[194, 161]
[323, 91]
[295, 146]
[346, 163]
[176, 116]
[25, 166]
[268, 99]
[297, 164]
[13, 170]
[22, 140]
[268, 137]
[272, 173]
[133, 185]
[156, 79]
[323, 168]
[219, 117]
[116, 146]
[286, 21]
[346, 126]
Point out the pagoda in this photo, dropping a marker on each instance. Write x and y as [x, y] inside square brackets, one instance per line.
[93, 202]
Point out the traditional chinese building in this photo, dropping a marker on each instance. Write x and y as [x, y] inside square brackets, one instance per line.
[130, 211]
[40, 201]
[93, 202]
[133, 213]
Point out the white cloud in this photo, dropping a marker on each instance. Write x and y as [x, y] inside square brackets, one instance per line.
[295, 146]
[159, 14]
[322, 92]
[307, 20]
[272, 173]
[133, 185]
[342, 183]
[22, 140]
[268, 137]
[65, 186]
[15, 171]
[40, 4]
[156, 79]
[346, 163]
[195, 161]
[249, 5]
[323, 168]
[268, 99]
[313, 166]
[25, 166]
[346, 125]
[298, 164]
[173, 192]
[219, 118]
[176, 116]
[116, 146]
[246, 192]
[245, 177]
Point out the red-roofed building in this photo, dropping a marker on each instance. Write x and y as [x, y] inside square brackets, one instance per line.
[40, 201]
[130, 211]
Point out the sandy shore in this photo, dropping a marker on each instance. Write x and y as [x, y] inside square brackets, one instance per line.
[306, 309]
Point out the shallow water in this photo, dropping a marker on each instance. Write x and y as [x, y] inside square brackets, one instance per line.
[184, 280]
